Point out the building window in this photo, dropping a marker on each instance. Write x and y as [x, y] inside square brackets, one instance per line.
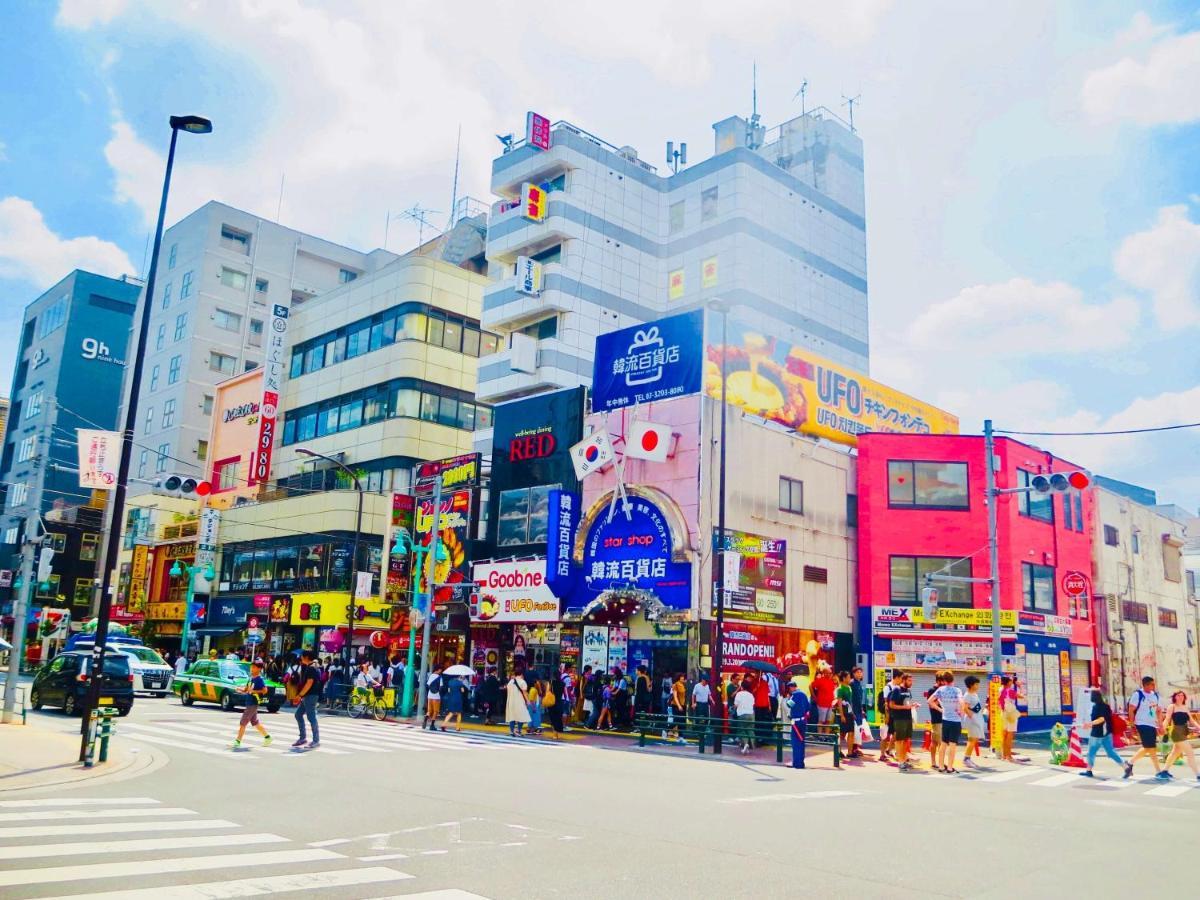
[227, 320]
[235, 240]
[33, 405]
[173, 369]
[143, 461]
[677, 217]
[160, 464]
[1031, 503]
[83, 591]
[1168, 618]
[171, 257]
[185, 288]
[931, 485]
[154, 371]
[232, 278]
[708, 205]
[10, 535]
[1077, 501]
[1172, 555]
[222, 362]
[88, 545]
[1135, 542]
[791, 495]
[1081, 606]
[17, 495]
[26, 449]
[908, 579]
[54, 317]
[180, 326]
[1138, 613]
[206, 405]
[57, 540]
[1037, 588]
[261, 285]
[816, 575]
[161, 338]
[254, 338]
[1068, 513]
[166, 295]
[852, 510]
[546, 328]
[201, 450]
[149, 426]
[49, 588]
[1112, 537]
[249, 365]
[523, 515]
[168, 414]
[345, 276]
[225, 473]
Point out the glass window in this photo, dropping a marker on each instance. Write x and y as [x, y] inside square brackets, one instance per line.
[452, 336]
[539, 512]
[297, 364]
[166, 295]
[1112, 537]
[185, 288]
[708, 205]
[83, 591]
[180, 326]
[306, 427]
[513, 518]
[207, 404]
[220, 362]
[314, 358]
[345, 276]
[161, 337]
[1068, 517]
[232, 239]
[466, 416]
[376, 406]
[227, 474]
[1037, 588]
[470, 341]
[172, 256]
[255, 335]
[791, 495]
[289, 432]
[351, 414]
[335, 350]
[437, 328]
[411, 327]
[264, 569]
[168, 414]
[261, 285]
[154, 378]
[287, 567]
[232, 278]
[173, 369]
[1078, 503]
[908, 580]
[327, 418]
[429, 407]
[143, 461]
[88, 546]
[406, 402]
[358, 340]
[243, 569]
[677, 214]
[163, 451]
[448, 412]
[488, 344]
[483, 417]
[938, 485]
[202, 450]
[1031, 503]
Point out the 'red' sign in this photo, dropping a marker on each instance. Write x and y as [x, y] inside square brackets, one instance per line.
[531, 446]
[1075, 584]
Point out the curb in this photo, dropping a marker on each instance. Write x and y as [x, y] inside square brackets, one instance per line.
[133, 763]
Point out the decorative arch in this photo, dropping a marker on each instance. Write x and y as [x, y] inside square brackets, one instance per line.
[680, 535]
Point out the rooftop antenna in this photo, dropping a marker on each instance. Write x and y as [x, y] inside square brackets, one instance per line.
[454, 191]
[279, 205]
[803, 95]
[754, 97]
[421, 216]
[676, 158]
[849, 102]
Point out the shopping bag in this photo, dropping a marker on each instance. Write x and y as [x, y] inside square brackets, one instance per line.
[864, 733]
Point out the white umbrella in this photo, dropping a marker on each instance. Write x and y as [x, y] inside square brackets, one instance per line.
[5, 645]
[455, 671]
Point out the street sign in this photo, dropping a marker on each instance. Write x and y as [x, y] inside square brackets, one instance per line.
[254, 637]
[252, 622]
[732, 561]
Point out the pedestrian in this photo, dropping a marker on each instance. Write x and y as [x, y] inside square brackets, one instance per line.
[743, 709]
[664, 693]
[762, 709]
[974, 722]
[701, 705]
[641, 692]
[454, 702]
[534, 698]
[1178, 718]
[516, 707]
[308, 692]
[181, 664]
[844, 714]
[254, 689]
[798, 710]
[773, 695]
[677, 708]
[901, 706]
[553, 705]
[1101, 737]
[949, 701]
[620, 698]
[395, 680]
[887, 740]
[1146, 716]
[589, 698]
[489, 694]
[604, 720]
[935, 723]
[433, 697]
[568, 694]
[1012, 716]
[824, 688]
[858, 700]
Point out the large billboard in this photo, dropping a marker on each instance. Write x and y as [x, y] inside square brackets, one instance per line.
[794, 387]
[654, 361]
[761, 589]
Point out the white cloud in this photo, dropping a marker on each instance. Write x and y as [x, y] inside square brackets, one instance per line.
[1155, 84]
[86, 13]
[1164, 261]
[30, 251]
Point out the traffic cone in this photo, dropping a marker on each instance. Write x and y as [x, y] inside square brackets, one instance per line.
[927, 741]
[1075, 758]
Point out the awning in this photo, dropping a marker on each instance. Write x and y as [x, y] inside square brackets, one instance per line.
[214, 632]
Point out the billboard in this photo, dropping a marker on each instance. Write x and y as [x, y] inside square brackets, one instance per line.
[99, 456]
[514, 591]
[761, 588]
[455, 527]
[654, 361]
[796, 388]
[274, 365]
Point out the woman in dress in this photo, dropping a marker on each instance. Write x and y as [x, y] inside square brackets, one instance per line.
[516, 707]
[453, 701]
[535, 704]
[1179, 719]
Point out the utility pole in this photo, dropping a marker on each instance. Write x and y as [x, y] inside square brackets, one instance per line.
[29, 545]
[718, 652]
[435, 538]
[993, 499]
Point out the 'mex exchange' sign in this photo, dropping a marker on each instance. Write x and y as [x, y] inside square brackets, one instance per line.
[635, 553]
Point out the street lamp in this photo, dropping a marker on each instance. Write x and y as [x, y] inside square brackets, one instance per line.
[192, 125]
[177, 570]
[722, 307]
[313, 454]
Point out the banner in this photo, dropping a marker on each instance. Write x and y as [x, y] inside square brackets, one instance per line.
[139, 569]
[206, 539]
[513, 591]
[99, 456]
[759, 591]
[455, 527]
[654, 361]
[274, 365]
[910, 618]
[793, 387]
[398, 584]
[563, 522]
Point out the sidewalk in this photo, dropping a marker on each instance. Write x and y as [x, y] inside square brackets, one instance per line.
[33, 757]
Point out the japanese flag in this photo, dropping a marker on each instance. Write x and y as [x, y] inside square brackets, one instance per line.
[646, 440]
[591, 454]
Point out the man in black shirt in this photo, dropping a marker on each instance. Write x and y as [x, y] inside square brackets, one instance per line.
[901, 706]
[308, 691]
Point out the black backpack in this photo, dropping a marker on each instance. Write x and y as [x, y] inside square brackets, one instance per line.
[881, 702]
[435, 686]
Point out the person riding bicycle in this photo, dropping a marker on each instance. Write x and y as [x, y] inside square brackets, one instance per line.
[368, 680]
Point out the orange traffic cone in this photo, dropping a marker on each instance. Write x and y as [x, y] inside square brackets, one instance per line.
[927, 741]
[1075, 758]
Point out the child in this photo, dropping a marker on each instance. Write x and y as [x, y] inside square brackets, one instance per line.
[253, 689]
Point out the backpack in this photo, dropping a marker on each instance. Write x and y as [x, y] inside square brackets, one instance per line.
[589, 689]
[881, 701]
[1141, 698]
[435, 686]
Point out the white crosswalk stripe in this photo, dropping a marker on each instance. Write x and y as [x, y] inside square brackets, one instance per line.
[38, 831]
[270, 884]
[1036, 776]
[32, 851]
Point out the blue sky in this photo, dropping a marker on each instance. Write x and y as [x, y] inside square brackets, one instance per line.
[1033, 198]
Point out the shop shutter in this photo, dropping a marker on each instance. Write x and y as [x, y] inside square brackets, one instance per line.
[1080, 695]
[922, 682]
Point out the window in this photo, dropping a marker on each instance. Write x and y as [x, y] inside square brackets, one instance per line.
[549, 255]
[18, 494]
[791, 495]
[232, 278]
[11, 535]
[816, 575]
[437, 327]
[1112, 537]
[1031, 503]
[908, 579]
[185, 288]
[934, 485]
[1135, 542]
[166, 296]
[82, 595]
[163, 451]
[225, 473]
[206, 405]
[172, 256]
[1168, 618]
[235, 240]
[58, 541]
[1082, 606]
[26, 449]
[180, 326]
[1037, 588]
[1068, 513]
[154, 372]
[523, 515]
[345, 276]
[470, 341]
[33, 405]
[254, 338]
[161, 337]
[168, 414]
[488, 344]
[88, 546]
[677, 217]
[452, 336]
[49, 588]
[358, 339]
[54, 317]
[1132, 611]
[202, 450]
[546, 328]
[173, 369]
[1077, 501]
[852, 510]
[222, 362]
[261, 285]
[143, 461]
[708, 205]
[148, 427]
[227, 320]
[1172, 556]
[250, 364]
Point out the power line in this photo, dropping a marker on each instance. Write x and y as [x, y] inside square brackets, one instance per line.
[1100, 433]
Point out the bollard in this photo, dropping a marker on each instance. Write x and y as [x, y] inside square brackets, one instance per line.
[88, 760]
[642, 735]
[778, 744]
[837, 753]
[105, 731]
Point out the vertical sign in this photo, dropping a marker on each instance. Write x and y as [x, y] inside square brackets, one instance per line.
[537, 130]
[533, 202]
[563, 522]
[529, 276]
[206, 540]
[273, 369]
[99, 455]
[400, 531]
[137, 579]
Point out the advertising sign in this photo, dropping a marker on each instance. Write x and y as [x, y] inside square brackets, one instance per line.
[635, 554]
[537, 130]
[274, 366]
[1040, 623]
[800, 390]
[595, 648]
[399, 566]
[563, 523]
[654, 361]
[456, 471]
[765, 643]
[206, 539]
[281, 609]
[758, 593]
[455, 532]
[138, 571]
[1075, 584]
[529, 276]
[99, 456]
[513, 592]
[949, 619]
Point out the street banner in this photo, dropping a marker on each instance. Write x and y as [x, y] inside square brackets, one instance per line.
[274, 366]
[99, 456]
[655, 361]
[398, 582]
[206, 539]
[757, 590]
[562, 523]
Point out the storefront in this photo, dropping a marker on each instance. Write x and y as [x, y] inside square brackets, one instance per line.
[797, 652]
[515, 618]
[319, 620]
[227, 618]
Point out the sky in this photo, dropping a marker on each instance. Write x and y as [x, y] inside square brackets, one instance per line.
[1033, 197]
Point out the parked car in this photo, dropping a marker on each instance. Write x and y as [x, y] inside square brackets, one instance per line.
[220, 681]
[151, 673]
[66, 679]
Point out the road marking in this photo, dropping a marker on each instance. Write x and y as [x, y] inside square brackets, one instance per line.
[272, 884]
[107, 827]
[201, 731]
[1056, 780]
[1013, 774]
[134, 846]
[434, 852]
[329, 843]
[166, 742]
[1169, 790]
[383, 857]
[450, 894]
[78, 801]
[96, 813]
[51, 874]
[807, 795]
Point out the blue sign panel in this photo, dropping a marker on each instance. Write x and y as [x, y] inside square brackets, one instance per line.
[635, 553]
[563, 522]
[655, 361]
[230, 610]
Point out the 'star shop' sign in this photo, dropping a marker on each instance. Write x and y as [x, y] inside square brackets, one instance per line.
[635, 553]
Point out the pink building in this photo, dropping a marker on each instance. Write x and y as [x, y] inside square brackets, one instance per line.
[922, 510]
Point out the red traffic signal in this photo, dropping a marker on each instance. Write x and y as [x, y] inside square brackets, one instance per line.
[1078, 480]
[1059, 482]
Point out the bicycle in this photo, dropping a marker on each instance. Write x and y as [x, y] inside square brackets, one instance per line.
[364, 701]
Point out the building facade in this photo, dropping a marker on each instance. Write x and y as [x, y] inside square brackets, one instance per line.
[922, 511]
[70, 366]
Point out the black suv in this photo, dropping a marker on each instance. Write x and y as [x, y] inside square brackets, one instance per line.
[64, 681]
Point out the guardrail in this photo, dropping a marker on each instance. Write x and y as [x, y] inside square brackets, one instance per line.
[20, 697]
[704, 730]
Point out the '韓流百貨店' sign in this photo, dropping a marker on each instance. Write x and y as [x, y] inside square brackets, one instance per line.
[635, 554]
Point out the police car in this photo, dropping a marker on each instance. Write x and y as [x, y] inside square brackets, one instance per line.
[221, 681]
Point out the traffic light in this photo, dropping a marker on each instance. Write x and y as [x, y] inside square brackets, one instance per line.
[533, 202]
[929, 603]
[45, 558]
[1059, 482]
[185, 486]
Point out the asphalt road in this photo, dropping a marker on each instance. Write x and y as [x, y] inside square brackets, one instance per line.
[383, 810]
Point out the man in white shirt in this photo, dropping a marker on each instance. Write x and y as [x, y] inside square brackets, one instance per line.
[1145, 714]
[181, 664]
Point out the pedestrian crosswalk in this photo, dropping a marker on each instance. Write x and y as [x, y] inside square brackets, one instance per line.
[1184, 783]
[339, 737]
[66, 859]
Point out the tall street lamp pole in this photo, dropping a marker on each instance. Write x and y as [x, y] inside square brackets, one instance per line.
[304, 451]
[435, 538]
[718, 653]
[192, 125]
[180, 568]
